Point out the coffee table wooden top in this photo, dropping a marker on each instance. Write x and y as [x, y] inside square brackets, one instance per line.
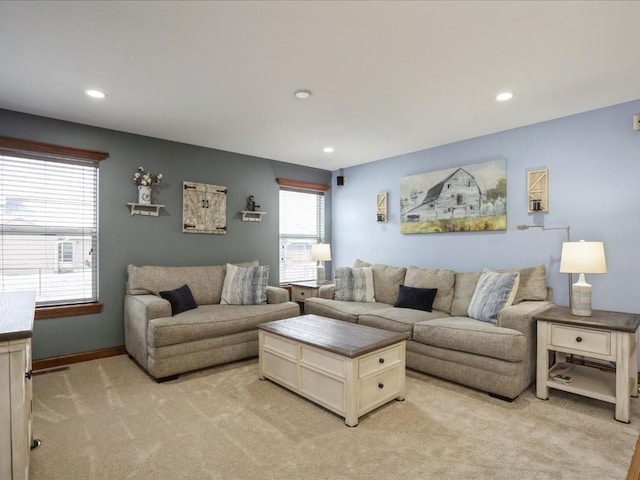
[347, 339]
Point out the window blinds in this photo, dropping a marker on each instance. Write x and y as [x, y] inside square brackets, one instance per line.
[48, 227]
[301, 225]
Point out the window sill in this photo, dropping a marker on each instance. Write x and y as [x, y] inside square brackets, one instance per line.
[68, 310]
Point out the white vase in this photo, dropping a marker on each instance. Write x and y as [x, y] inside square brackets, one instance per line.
[144, 194]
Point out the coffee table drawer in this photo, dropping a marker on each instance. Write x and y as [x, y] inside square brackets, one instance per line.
[379, 389]
[582, 339]
[379, 361]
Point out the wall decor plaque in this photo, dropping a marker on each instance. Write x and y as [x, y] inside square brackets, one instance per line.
[204, 208]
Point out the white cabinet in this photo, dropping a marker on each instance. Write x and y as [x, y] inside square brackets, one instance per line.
[204, 208]
[16, 327]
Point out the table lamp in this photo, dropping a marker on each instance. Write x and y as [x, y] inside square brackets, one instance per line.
[320, 253]
[582, 257]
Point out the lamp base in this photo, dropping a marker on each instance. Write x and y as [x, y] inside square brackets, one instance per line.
[321, 275]
[581, 301]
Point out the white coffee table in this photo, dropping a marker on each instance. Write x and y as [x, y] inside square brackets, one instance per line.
[347, 368]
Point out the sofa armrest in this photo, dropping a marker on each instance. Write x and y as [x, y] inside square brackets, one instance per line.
[519, 317]
[277, 294]
[139, 310]
[146, 307]
[327, 291]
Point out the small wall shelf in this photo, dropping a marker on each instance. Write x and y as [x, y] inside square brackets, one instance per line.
[248, 216]
[148, 209]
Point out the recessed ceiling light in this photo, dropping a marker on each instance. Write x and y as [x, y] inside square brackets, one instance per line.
[327, 149]
[95, 93]
[504, 96]
[302, 94]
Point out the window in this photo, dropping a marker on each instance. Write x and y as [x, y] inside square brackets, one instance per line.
[65, 252]
[49, 222]
[301, 225]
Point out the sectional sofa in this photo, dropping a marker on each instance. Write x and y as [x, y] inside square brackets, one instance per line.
[205, 330]
[446, 342]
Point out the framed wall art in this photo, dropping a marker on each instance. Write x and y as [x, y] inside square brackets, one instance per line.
[204, 208]
[472, 198]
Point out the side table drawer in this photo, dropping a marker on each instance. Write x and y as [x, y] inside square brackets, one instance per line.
[582, 339]
[300, 294]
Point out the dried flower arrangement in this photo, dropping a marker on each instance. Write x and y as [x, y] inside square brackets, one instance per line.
[146, 178]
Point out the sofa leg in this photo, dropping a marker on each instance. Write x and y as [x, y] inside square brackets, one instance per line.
[166, 379]
[500, 397]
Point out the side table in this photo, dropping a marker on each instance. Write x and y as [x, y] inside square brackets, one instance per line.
[609, 336]
[302, 290]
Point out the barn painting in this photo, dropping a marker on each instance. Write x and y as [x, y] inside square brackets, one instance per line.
[465, 199]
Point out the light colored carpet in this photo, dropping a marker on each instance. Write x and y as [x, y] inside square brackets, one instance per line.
[106, 419]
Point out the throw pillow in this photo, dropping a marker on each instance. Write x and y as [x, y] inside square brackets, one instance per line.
[416, 298]
[245, 285]
[491, 295]
[441, 278]
[354, 284]
[360, 263]
[181, 299]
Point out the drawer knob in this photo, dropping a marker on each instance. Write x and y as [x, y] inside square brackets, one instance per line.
[578, 339]
[381, 360]
[381, 385]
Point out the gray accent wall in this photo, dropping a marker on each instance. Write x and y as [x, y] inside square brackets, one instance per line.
[593, 160]
[145, 240]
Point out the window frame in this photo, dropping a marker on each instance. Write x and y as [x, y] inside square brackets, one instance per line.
[16, 147]
[302, 187]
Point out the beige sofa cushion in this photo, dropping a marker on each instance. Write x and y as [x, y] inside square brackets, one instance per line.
[441, 278]
[387, 281]
[397, 319]
[340, 310]
[465, 286]
[205, 282]
[533, 283]
[209, 321]
[473, 336]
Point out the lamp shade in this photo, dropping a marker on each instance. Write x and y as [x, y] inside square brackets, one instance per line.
[321, 252]
[583, 257]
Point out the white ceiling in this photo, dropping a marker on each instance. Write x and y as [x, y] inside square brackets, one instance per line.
[388, 77]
